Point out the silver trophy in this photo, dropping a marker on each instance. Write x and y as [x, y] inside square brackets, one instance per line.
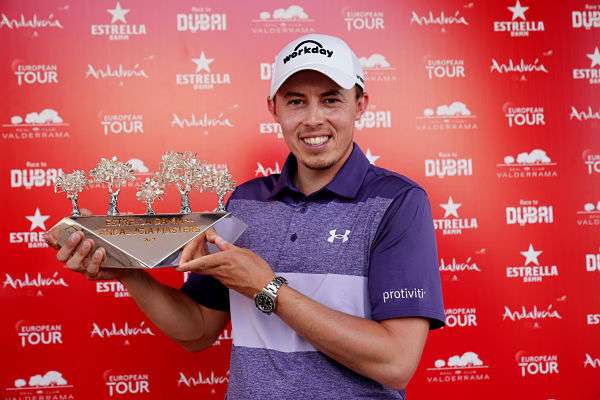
[186, 172]
[72, 184]
[220, 181]
[114, 174]
[148, 240]
[150, 191]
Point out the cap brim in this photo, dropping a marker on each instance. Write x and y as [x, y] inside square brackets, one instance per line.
[342, 79]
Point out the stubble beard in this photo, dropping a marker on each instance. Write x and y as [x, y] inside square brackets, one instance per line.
[320, 165]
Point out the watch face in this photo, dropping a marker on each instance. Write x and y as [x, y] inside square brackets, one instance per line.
[264, 303]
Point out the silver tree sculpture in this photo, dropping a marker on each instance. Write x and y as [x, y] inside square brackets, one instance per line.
[219, 180]
[148, 192]
[185, 171]
[114, 174]
[72, 184]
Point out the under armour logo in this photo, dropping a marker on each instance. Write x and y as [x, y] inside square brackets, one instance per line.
[333, 236]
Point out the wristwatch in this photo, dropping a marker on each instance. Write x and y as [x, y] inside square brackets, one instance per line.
[266, 299]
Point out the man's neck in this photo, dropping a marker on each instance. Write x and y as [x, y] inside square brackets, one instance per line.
[309, 180]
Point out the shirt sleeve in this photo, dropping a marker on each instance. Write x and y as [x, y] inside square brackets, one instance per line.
[404, 278]
[207, 291]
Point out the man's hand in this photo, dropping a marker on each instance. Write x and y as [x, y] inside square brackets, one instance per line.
[237, 268]
[79, 255]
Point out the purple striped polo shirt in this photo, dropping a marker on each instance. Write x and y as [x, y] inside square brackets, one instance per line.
[364, 245]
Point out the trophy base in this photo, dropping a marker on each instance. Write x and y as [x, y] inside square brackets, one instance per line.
[138, 241]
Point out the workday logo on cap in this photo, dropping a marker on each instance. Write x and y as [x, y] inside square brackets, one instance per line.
[304, 48]
[328, 55]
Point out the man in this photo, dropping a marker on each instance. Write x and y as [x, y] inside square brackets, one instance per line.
[334, 285]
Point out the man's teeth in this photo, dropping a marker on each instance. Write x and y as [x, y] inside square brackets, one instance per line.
[315, 141]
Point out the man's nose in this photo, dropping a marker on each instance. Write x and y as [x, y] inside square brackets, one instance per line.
[314, 114]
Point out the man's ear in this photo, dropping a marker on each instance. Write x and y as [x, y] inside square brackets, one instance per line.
[271, 107]
[361, 105]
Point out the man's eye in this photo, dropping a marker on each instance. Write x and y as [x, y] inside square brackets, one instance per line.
[331, 100]
[295, 102]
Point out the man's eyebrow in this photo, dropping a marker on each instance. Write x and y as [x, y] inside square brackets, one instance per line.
[293, 94]
[334, 92]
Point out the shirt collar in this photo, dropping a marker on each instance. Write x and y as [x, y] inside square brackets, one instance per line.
[346, 182]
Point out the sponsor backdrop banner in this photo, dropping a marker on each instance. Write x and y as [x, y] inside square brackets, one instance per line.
[491, 106]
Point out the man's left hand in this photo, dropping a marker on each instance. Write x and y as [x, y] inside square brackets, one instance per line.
[235, 267]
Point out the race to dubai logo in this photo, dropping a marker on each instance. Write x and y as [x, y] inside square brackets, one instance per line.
[531, 316]
[46, 124]
[521, 68]
[444, 68]
[293, 19]
[126, 384]
[36, 174]
[519, 116]
[203, 78]
[538, 364]
[359, 20]
[447, 165]
[461, 317]
[441, 19]
[518, 26]
[591, 160]
[38, 335]
[529, 212]
[118, 28]
[589, 215]
[533, 164]
[452, 268]
[261, 170]
[455, 116]
[458, 368]
[588, 18]
[34, 23]
[35, 74]
[377, 68]
[270, 128]
[452, 223]
[374, 118]
[37, 232]
[591, 74]
[531, 271]
[201, 19]
[118, 72]
[49, 385]
[266, 70]
[121, 124]
[592, 261]
[584, 115]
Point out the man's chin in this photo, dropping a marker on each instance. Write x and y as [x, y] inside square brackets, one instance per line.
[319, 165]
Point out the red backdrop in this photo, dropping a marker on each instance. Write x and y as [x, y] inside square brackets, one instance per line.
[492, 106]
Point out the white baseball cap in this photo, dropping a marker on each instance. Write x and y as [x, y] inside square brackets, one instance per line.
[326, 54]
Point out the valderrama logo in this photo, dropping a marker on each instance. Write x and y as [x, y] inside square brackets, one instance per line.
[304, 48]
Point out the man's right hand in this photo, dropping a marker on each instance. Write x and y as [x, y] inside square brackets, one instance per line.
[80, 255]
